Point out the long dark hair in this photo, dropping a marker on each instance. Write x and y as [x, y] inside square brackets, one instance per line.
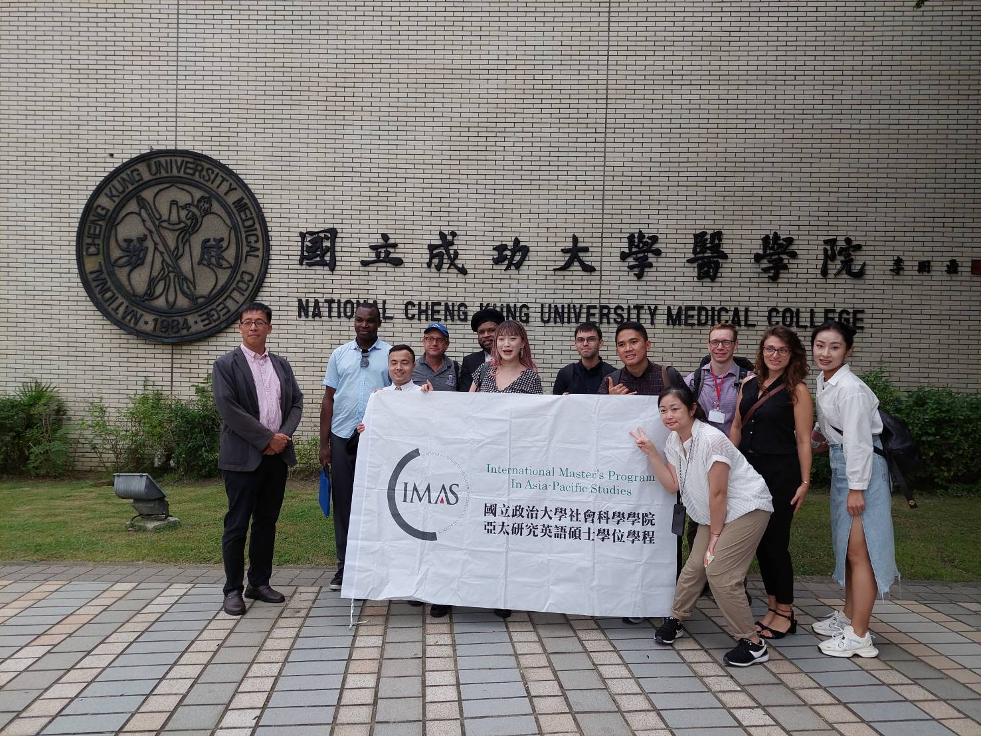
[685, 395]
[797, 367]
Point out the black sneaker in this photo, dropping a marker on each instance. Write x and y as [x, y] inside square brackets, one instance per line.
[669, 631]
[503, 613]
[413, 602]
[337, 581]
[746, 653]
[439, 610]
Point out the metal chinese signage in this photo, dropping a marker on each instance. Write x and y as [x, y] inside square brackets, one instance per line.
[171, 245]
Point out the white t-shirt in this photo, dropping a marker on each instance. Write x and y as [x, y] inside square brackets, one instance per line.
[747, 490]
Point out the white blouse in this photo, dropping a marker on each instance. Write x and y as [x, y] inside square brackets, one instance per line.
[747, 490]
[844, 401]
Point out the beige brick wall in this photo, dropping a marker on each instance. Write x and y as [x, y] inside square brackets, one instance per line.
[504, 119]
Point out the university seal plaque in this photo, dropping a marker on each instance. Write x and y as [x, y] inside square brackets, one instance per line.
[171, 245]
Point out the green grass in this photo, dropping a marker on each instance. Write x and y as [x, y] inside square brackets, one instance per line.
[77, 520]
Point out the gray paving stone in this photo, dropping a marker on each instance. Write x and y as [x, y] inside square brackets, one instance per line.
[710, 731]
[859, 694]
[302, 699]
[752, 676]
[188, 718]
[474, 691]
[86, 724]
[672, 685]
[495, 675]
[562, 645]
[496, 707]
[395, 728]
[571, 661]
[773, 694]
[211, 693]
[146, 659]
[308, 683]
[591, 700]
[579, 679]
[486, 648]
[224, 673]
[400, 687]
[404, 650]
[119, 688]
[28, 680]
[889, 711]
[235, 655]
[5, 717]
[603, 724]
[11, 700]
[132, 673]
[845, 678]
[334, 654]
[661, 670]
[697, 718]
[285, 716]
[924, 727]
[515, 725]
[309, 729]
[314, 668]
[104, 705]
[486, 663]
[797, 718]
[661, 655]
[398, 710]
[685, 700]
[56, 661]
[823, 664]
[401, 668]
[970, 707]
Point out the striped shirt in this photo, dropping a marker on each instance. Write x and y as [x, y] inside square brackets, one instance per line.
[267, 389]
[747, 490]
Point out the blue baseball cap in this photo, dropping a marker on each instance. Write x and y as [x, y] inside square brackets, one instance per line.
[437, 326]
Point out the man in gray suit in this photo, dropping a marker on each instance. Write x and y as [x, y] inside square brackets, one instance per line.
[260, 405]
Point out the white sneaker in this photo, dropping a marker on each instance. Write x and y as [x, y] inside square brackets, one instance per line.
[831, 626]
[848, 643]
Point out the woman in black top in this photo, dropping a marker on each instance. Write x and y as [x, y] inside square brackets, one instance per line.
[775, 437]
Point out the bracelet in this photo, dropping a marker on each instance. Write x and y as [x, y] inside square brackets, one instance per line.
[805, 483]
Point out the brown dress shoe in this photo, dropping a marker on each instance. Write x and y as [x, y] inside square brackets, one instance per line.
[234, 604]
[265, 593]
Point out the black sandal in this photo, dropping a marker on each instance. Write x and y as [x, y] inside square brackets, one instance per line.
[777, 634]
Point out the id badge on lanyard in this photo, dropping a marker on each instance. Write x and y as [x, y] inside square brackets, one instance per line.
[717, 415]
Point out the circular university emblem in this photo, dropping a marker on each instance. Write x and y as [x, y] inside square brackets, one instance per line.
[171, 245]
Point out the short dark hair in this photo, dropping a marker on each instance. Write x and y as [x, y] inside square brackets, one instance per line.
[369, 306]
[402, 347]
[846, 331]
[631, 325]
[588, 327]
[256, 307]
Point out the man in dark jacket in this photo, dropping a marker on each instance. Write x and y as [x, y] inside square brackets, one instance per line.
[260, 405]
[484, 323]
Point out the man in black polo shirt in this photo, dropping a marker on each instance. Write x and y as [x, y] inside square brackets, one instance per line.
[484, 323]
[585, 375]
[638, 375]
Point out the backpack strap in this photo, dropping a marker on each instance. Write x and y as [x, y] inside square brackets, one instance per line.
[893, 470]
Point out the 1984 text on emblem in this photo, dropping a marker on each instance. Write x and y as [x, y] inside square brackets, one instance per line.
[171, 245]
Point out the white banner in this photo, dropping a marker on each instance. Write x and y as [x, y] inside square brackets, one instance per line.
[533, 503]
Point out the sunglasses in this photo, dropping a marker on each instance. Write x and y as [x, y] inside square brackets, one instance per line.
[364, 358]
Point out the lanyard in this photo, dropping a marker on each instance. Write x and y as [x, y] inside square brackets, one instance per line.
[718, 381]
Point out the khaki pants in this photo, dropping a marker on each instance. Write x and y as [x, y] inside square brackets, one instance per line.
[733, 553]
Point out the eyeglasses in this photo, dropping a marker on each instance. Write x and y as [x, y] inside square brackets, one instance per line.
[769, 350]
[432, 339]
[590, 339]
[721, 343]
[258, 323]
[364, 357]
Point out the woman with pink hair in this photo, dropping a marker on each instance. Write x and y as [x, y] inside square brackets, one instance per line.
[511, 369]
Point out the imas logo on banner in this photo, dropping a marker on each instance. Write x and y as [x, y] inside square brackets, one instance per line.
[427, 494]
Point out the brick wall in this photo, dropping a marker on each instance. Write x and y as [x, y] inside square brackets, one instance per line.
[502, 120]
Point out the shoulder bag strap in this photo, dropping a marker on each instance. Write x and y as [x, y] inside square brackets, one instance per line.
[766, 395]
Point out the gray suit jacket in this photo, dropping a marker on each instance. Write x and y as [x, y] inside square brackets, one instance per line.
[242, 436]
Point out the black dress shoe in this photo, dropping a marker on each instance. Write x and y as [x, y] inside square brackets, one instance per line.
[265, 593]
[234, 604]
[503, 613]
[439, 610]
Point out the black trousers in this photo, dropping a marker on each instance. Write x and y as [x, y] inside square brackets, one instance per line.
[256, 496]
[782, 476]
[342, 462]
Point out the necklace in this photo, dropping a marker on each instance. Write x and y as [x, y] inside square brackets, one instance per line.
[683, 478]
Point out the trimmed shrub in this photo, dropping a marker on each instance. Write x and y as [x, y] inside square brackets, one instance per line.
[34, 439]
